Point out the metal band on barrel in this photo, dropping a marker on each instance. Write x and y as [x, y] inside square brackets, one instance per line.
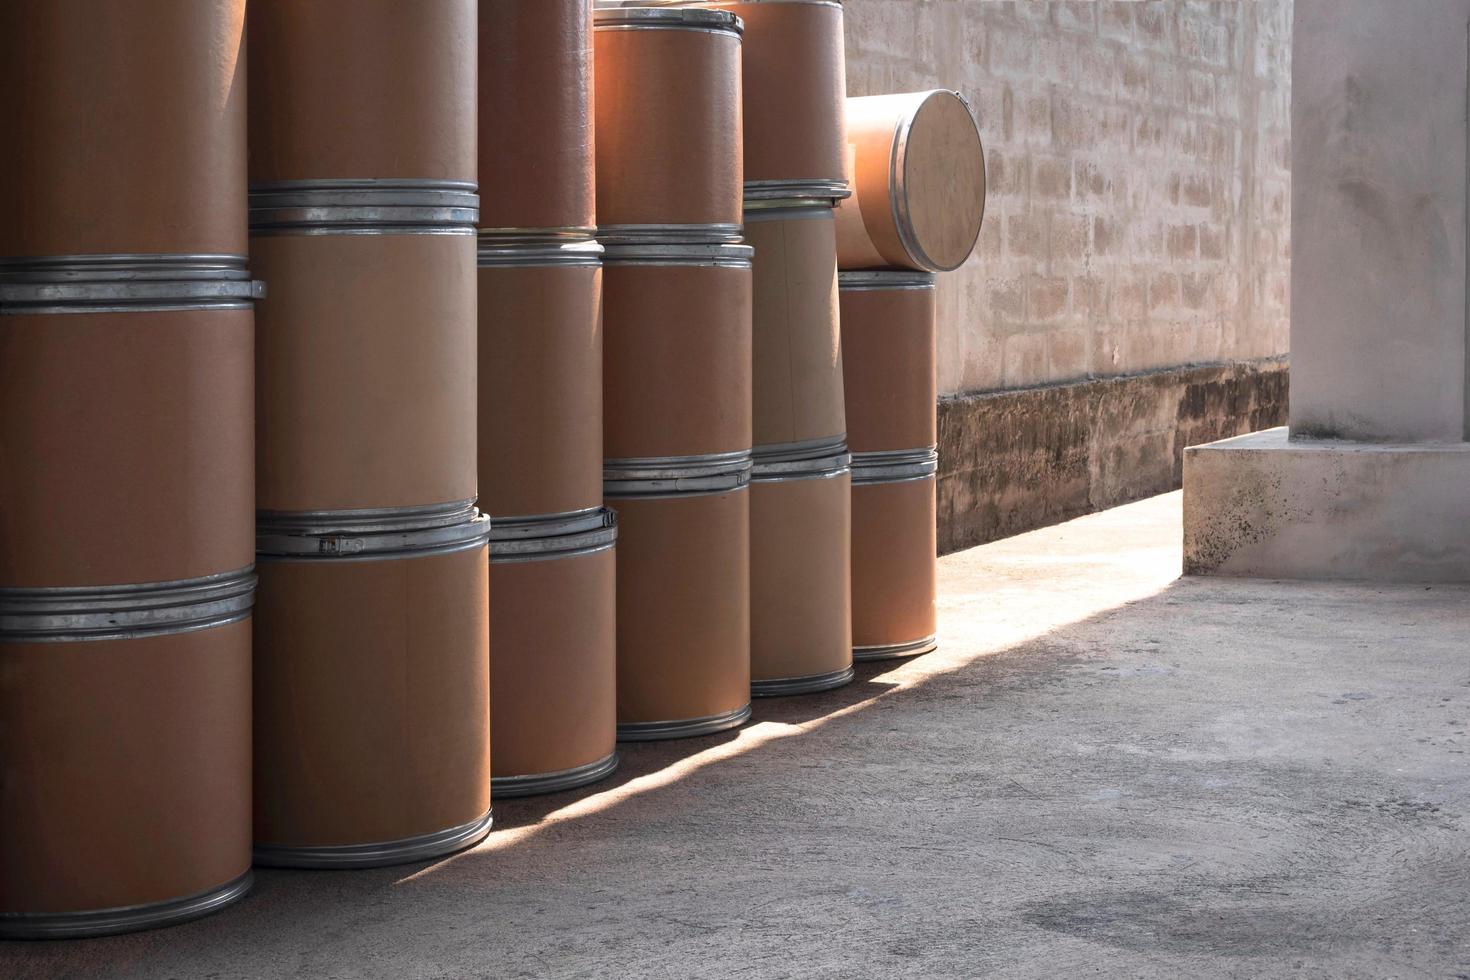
[493, 237]
[894, 467]
[770, 193]
[726, 256]
[126, 918]
[662, 476]
[73, 614]
[880, 279]
[374, 855]
[126, 283]
[364, 207]
[583, 541]
[651, 731]
[547, 525]
[614, 15]
[892, 651]
[654, 236]
[533, 784]
[370, 535]
[501, 255]
[898, 197]
[777, 452]
[820, 468]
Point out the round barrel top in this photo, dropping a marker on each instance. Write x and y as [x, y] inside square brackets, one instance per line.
[940, 170]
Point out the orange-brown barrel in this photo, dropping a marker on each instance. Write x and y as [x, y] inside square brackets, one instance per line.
[124, 127]
[553, 658]
[893, 562]
[371, 696]
[540, 389]
[536, 142]
[677, 350]
[888, 360]
[362, 89]
[668, 124]
[800, 577]
[797, 348]
[794, 82]
[916, 169]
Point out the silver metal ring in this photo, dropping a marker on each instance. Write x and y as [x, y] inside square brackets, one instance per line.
[658, 476]
[894, 467]
[776, 452]
[125, 918]
[500, 237]
[885, 279]
[637, 16]
[125, 283]
[785, 686]
[546, 525]
[534, 784]
[124, 267]
[650, 731]
[789, 209]
[785, 471]
[502, 255]
[364, 207]
[761, 193]
[584, 542]
[892, 651]
[118, 612]
[374, 855]
[370, 535]
[660, 236]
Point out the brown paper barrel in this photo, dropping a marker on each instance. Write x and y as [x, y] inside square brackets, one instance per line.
[126, 447]
[800, 577]
[372, 735]
[366, 367]
[553, 707]
[124, 755]
[362, 89]
[677, 351]
[794, 82]
[888, 359]
[917, 173]
[536, 143]
[540, 388]
[683, 611]
[893, 555]
[124, 127]
[668, 124]
[797, 356]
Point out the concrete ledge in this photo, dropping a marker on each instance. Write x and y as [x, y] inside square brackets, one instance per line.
[1261, 505]
[1012, 461]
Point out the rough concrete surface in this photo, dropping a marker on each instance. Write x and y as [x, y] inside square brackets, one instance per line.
[1105, 771]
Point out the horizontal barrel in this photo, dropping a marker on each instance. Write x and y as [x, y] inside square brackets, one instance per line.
[125, 127]
[894, 569]
[917, 174]
[372, 671]
[125, 721]
[683, 613]
[668, 124]
[888, 359]
[553, 706]
[797, 346]
[677, 350]
[540, 379]
[800, 576]
[536, 142]
[362, 88]
[366, 350]
[126, 435]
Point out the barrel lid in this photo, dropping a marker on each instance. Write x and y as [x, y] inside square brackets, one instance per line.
[640, 15]
[885, 279]
[939, 180]
[557, 544]
[499, 254]
[72, 614]
[726, 255]
[377, 534]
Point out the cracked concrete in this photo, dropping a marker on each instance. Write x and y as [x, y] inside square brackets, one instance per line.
[1104, 771]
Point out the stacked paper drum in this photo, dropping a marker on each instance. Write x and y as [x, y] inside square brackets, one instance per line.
[126, 466]
[676, 311]
[918, 176]
[794, 82]
[371, 664]
[552, 565]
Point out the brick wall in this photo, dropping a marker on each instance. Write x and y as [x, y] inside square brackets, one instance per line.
[1138, 157]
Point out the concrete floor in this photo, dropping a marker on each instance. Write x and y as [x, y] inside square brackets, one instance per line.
[1105, 771]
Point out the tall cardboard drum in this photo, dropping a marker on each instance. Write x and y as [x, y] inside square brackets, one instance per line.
[362, 89]
[916, 168]
[797, 355]
[553, 705]
[683, 611]
[540, 388]
[536, 133]
[894, 572]
[366, 347]
[372, 687]
[125, 127]
[124, 755]
[888, 360]
[800, 576]
[794, 79]
[677, 354]
[668, 124]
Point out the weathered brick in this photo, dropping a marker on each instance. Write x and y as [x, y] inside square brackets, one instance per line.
[1051, 178]
[1046, 297]
[1182, 242]
[1026, 235]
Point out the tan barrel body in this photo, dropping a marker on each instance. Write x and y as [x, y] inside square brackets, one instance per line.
[893, 566]
[888, 363]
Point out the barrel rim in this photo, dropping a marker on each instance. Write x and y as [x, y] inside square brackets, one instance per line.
[791, 470]
[124, 918]
[672, 476]
[498, 236]
[893, 651]
[775, 452]
[776, 687]
[376, 854]
[648, 731]
[546, 525]
[565, 545]
[898, 192]
[857, 280]
[656, 235]
[66, 614]
[789, 209]
[728, 255]
[538, 255]
[898, 466]
[536, 783]
[380, 534]
[611, 14]
[826, 189]
[364, 206]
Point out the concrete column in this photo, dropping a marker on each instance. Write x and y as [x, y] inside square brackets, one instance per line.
[1372, 481]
